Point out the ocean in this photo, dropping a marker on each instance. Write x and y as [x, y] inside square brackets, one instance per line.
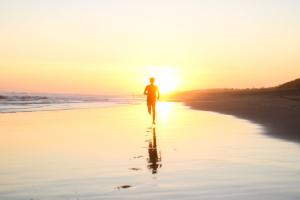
[30, 102]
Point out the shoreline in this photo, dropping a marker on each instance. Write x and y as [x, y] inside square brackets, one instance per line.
[280, 116]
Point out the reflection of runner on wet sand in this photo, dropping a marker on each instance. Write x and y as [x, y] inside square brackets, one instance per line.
[154, 160]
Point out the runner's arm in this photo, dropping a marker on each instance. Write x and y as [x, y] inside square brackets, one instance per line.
[146, 90]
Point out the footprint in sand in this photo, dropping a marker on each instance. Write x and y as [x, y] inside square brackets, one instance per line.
[136, 157]
[135, 169]
[123, 187]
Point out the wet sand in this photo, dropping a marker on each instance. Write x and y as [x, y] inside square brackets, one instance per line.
[115, 153]
[279, 115]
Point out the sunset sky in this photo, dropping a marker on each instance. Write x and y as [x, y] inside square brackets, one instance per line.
[113, 46]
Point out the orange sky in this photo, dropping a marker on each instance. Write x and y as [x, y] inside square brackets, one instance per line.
[110, 47]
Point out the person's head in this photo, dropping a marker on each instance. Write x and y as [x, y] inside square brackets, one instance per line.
[152, 80]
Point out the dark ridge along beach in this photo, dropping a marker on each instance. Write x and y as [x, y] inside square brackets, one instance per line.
[276, 108]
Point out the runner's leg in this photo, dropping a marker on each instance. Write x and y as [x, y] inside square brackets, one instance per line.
[153, 112]
[149, 108]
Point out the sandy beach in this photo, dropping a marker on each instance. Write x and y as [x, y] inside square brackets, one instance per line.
[115, 153]
[279, 115]
[150, 100]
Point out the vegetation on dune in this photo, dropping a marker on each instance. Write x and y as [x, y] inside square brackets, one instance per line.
[289, 90]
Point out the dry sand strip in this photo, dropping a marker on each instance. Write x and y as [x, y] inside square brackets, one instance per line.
[280, 116]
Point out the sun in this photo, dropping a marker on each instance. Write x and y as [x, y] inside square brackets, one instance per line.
[166, 78]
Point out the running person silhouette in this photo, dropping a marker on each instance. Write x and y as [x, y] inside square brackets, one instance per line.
[152, 93]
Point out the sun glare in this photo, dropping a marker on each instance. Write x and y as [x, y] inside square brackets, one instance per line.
[166, 78]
